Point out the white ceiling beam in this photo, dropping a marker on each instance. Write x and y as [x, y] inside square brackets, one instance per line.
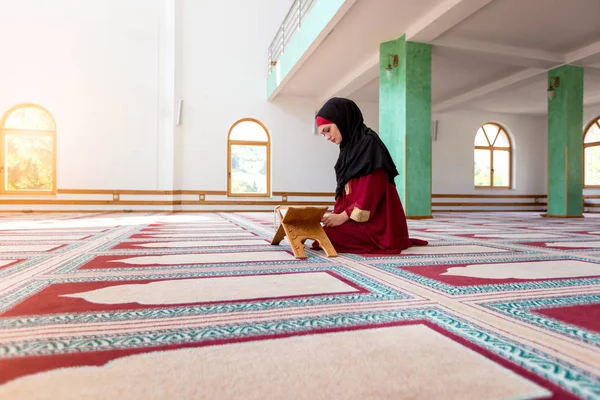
[487, 88]
[569, 58]
[582, 53]
[443, 18]
[433, 24]
[528, 56]
[355, 79]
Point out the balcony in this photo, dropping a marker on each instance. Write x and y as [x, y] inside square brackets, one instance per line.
[291, 24]
[305, 26]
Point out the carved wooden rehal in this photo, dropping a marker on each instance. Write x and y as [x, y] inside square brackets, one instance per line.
[300, 224]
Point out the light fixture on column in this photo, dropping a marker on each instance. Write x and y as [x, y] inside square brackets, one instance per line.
[388, 70]
[553, 83]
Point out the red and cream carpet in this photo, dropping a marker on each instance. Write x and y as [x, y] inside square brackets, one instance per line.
[201, 306]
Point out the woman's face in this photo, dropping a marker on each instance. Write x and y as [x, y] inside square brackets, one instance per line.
[331, 133]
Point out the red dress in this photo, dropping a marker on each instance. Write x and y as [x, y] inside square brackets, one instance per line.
[377, 223]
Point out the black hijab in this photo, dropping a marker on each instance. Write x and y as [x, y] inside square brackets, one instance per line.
[361, 149]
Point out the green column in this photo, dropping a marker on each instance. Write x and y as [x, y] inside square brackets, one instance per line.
[405, 120]
[565, 130]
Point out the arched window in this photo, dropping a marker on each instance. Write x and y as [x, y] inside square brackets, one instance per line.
[28, 156]
[493, 157]
[249, 159]
[591, 155]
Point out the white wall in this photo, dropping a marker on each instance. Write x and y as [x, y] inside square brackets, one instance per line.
[453, 157]
[111, 71]
[94, 66]
[223, 79]
[370, 113]
[453, 154]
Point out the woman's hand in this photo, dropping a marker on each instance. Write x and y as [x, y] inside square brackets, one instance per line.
[333, 220]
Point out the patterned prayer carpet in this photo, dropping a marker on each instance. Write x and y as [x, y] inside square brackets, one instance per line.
[201, 306]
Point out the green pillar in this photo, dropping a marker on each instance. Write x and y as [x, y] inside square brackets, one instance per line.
[405, 120]
[565, 130]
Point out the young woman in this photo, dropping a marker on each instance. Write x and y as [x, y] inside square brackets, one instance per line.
[368, 217]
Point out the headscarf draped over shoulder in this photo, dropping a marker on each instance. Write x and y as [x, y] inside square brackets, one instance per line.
[361, 149]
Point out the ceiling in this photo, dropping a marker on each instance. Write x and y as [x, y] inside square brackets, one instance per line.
[529, 96]
[489, 55]
[551, 25]
[359, 33]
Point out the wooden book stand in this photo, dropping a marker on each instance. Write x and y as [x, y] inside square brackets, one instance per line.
[299, 224]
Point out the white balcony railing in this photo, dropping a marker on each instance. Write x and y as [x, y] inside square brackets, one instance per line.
[291, 24]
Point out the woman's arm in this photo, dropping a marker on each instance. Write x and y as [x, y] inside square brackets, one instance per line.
[367, 192]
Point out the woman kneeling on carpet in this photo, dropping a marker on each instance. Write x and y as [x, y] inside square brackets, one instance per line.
[368, 217]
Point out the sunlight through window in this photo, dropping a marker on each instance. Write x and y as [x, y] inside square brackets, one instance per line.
[249, 159]
[591, 155]
[29, 151]
[493, 156]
